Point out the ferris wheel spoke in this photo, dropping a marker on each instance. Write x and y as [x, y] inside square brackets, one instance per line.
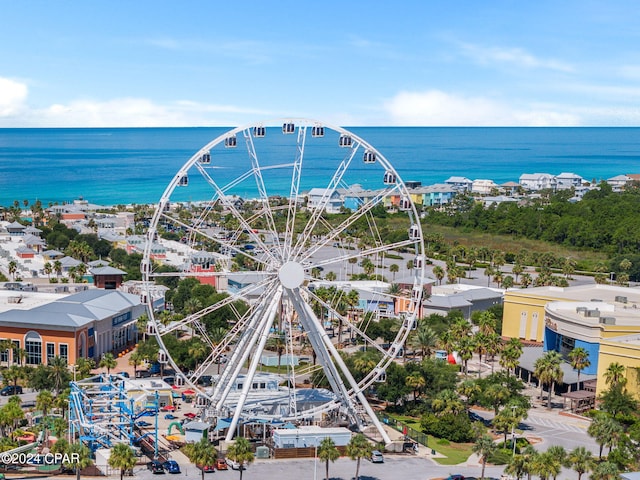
[256, 324]
[344, 225]
[363, 253]
[216, 306]
[345, 320]
[257, 174]
[322, 205]
[236, 214]
[294, 193]
[311, 323]
[263, 335]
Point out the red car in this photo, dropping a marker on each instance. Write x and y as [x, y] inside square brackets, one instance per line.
[221, 464]
[190, 415]
[207, 468]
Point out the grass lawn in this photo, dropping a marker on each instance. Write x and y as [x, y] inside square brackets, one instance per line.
[454, 453]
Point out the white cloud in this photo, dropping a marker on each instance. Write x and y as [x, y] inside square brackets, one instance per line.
[128, 112]
[512, 56]
[12, 96]
[438, 108]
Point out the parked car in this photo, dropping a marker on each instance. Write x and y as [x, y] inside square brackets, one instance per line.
[455, 476]
[124, 374]
[11, 390]
[207, 468]
[155, 467]
[143, 424]
[376, 457]
[235, 465]
[221, 464]
[205, 381]
[171, 466]
[143, 373]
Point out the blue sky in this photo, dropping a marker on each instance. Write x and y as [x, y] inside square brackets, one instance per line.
[209, 63]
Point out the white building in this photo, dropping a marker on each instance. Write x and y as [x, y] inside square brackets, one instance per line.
[310, 436]
[316, 199]
[461, 184]
[537, 181]
[483, 186]
[565, 181]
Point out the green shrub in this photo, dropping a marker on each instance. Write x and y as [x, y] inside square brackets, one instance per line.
[455, 428]
[501, 456]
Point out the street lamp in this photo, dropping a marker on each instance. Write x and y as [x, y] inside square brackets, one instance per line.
[155, 452]
[513, 433]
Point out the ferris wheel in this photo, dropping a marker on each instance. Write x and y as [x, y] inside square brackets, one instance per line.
[272, 215]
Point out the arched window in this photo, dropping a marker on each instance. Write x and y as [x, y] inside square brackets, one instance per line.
[33, 347]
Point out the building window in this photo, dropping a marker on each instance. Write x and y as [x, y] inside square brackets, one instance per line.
[33, 347]
[64, 352]
[16, 350]
[51, 351]
[4, 354]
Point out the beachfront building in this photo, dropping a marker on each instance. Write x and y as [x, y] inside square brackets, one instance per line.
[510, 188]
[436, 195]
[562, 319]
[537, 181]
[316, 199]
[497, 200]
[618, 182]
[460, 184]
[566, 181]
[483, 186]
[354, 197]
[86, 324]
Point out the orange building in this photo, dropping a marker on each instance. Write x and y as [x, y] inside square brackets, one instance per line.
[83, 325]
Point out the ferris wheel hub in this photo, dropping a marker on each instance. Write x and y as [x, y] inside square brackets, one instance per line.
[291, 275]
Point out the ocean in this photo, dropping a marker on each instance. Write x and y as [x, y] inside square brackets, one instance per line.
[111, 166]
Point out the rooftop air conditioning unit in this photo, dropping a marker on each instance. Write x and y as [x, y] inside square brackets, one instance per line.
[608, 320]
[592, 313]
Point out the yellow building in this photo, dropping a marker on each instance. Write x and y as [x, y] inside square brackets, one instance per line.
[626, 351]
[602, 319]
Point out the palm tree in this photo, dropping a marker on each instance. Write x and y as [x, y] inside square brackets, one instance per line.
[357, 449]
[557, 458]
[108, 361]
[438, 272]
[579, 359]
[328, 452]
[581, 460]
[44, 401]
[394, 268]
[240, 452]
[547, 370]
[416, 382]
[605, 471]
[424, 338]
[84, 366]
[615, 374]
[511, 353]
[201, 453]
[484, 447]
[135, 360]
[141, 326]
[603, 430]
[122, 457]
[79, 458]
[13, 268]
[518, 466]
[59, 373]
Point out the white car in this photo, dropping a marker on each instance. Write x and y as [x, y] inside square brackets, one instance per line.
[376, 457]
[235, 465]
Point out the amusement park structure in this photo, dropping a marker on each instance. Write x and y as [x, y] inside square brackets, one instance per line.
[284, 240]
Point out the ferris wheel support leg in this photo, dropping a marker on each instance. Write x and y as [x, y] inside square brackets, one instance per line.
[271, 315]
[308, 314]
[239, 356]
